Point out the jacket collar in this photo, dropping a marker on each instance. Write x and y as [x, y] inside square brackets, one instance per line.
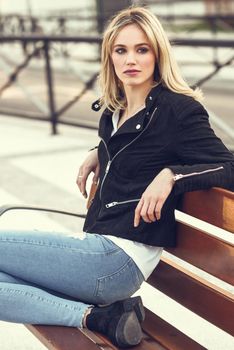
[152, 97]
[133, 125]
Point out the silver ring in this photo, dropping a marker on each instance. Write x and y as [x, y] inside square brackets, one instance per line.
[80, 176]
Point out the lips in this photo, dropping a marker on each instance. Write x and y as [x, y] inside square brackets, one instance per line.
[131, 71]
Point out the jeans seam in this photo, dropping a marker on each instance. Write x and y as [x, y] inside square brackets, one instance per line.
[38, 298]
[101, 280]
[136, 272]
[59, 246]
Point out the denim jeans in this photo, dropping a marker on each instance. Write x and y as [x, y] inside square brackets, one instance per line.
[51, 278]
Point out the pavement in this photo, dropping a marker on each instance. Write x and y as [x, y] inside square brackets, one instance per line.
[40, 169]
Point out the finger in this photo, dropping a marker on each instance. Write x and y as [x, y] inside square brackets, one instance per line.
[144, 212]
[81, 182]
[83, 186]
[96, 175]
[158, 208]
[79, 176]
[137, 216]
[79, 179]
[151, 211]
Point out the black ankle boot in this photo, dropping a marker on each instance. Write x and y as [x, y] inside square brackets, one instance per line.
[120, 321]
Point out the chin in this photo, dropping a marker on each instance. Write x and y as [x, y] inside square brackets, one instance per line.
[133, 83]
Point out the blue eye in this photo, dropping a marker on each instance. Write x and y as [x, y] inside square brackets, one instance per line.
[143, 49]
[120, 50]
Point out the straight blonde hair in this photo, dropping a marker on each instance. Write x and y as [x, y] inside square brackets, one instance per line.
[167, 70]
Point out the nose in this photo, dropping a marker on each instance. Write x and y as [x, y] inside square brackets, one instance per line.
[130, 58]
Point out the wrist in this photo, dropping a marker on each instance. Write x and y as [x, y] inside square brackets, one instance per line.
[170, 174]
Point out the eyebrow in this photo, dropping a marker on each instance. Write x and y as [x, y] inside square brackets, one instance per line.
[141, 44]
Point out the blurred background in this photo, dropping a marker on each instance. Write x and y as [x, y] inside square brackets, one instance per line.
[49, 61]
[50, 52]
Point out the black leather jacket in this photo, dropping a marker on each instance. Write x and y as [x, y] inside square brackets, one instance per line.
[173, 132]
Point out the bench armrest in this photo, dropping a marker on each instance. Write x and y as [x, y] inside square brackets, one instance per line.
[5, 208]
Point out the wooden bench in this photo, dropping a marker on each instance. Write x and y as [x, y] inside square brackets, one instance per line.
[204, 246]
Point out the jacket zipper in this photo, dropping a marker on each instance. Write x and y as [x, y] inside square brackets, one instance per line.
[181, 176]
[178, 177]
[112, 204]
[122, 149]
[107, 168]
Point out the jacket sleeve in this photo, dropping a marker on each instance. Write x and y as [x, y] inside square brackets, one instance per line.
[204, 161]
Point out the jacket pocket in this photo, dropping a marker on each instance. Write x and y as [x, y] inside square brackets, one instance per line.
[120, 284]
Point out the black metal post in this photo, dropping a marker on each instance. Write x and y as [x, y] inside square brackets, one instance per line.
[106, 9]
[214, 27]
[49, 78]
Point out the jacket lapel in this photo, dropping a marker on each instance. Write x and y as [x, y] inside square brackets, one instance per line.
[133, 125]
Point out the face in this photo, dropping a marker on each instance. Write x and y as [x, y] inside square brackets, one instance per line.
[133, 57]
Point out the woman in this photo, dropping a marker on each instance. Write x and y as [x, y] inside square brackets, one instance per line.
[156, 143]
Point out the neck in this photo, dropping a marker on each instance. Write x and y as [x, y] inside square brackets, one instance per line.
[135, 97]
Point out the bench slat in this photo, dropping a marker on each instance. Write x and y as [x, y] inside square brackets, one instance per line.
[208, 253]
[67, 338]
[146, 343]
[167, 335]
[198, 295]
[215, 206]
[160, 336]
[62, 338]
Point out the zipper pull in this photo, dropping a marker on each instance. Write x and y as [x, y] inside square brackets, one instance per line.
[108, 166]
[109, 205]
[177, 177]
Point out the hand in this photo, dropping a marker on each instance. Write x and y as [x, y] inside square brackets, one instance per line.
[91, 164]
[154, 197]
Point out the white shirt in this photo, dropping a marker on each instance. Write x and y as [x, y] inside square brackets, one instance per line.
[145, 256]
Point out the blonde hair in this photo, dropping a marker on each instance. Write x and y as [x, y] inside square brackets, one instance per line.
[168, 71]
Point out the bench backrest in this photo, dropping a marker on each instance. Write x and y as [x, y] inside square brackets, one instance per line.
[206, 247]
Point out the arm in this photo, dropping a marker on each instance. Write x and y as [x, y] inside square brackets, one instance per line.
[90, 164]
[154, 197]
[205, 161]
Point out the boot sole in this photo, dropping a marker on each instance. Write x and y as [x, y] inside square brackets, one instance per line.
[135, 304]
[128, 331]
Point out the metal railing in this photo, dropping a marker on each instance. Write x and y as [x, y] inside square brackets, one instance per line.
[23, 24]
[43, 44]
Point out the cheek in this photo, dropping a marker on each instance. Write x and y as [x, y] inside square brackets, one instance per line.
[117, 63]
[149, 62]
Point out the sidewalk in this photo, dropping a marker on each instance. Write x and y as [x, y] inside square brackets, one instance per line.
[40, 169]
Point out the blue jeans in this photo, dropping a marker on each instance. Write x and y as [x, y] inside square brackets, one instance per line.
[51, 278]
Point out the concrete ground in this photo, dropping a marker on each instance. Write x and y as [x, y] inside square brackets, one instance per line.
[40, 169]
